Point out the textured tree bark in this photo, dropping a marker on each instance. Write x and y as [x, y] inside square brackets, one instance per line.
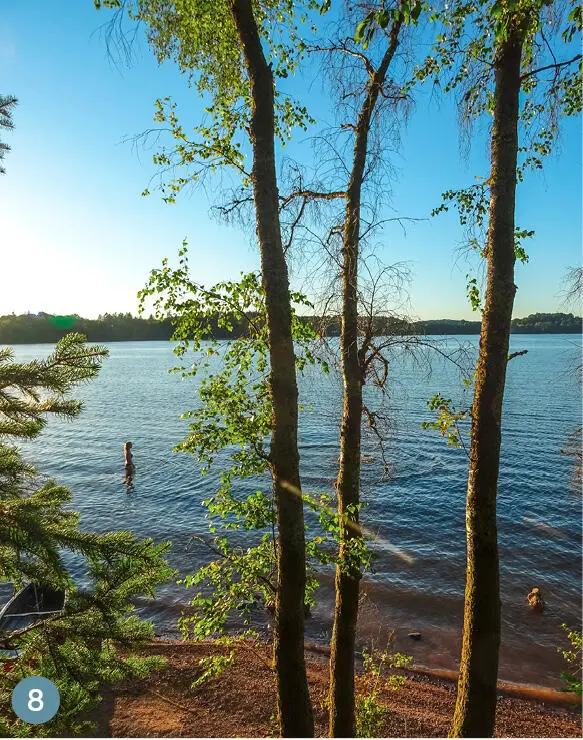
[475, 711]
[294, 707]
[347, 581]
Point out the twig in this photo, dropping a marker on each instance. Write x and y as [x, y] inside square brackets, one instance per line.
[550, 66]
[170, 701]
[245, 644]
[5, 641]
[351, 52]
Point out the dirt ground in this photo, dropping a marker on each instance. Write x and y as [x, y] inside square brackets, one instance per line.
[241, 702]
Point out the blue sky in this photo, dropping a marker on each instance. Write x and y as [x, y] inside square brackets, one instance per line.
[78, 237]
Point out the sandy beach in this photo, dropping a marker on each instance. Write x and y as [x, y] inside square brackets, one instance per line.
[241, 702]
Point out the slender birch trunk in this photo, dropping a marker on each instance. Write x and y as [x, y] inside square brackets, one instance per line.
[347, 582]
[475, 710]
[294, 707]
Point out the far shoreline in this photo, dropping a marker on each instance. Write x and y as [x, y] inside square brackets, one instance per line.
[45, 328]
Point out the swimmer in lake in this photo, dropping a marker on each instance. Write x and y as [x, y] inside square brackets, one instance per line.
[129, 462]
[535, 599]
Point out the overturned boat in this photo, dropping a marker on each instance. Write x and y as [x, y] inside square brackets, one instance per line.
[29, 605]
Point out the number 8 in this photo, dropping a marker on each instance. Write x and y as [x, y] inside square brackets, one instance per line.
[35, 696]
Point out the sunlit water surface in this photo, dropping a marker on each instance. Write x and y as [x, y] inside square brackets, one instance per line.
[417, 513]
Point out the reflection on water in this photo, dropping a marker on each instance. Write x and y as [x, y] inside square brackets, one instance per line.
[417, 514]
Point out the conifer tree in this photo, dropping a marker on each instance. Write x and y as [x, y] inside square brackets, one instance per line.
[7, 103]
[78, 649]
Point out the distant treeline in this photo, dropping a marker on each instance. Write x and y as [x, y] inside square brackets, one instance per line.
[123, 327]
[536, 323]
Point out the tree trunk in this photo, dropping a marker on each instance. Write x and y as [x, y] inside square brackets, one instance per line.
[347, 582]
[294, 707]
[475, 710]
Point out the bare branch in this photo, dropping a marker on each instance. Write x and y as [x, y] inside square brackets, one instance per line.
[555, 66]
[399, 219]
[294, 225]
[234, 205]
[341, 46]
[312, 194]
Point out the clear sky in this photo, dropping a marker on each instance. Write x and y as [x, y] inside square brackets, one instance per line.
[76, 235]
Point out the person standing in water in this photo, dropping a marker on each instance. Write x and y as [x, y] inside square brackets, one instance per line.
[129, 462]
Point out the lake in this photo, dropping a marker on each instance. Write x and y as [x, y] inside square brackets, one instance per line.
[417, 512]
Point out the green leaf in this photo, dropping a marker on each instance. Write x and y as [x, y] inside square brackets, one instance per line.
[497, 10]
[360, 30]
[416, 12]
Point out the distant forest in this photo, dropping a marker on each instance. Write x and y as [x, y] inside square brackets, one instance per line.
[123, 327]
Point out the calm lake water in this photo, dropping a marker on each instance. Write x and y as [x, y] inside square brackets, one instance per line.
[417, 513]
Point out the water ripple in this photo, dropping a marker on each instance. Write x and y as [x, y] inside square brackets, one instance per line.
[419, 510]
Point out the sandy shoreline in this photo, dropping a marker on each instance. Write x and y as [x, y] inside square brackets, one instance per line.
[509, 688]
[242, 701]
[530, 641]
